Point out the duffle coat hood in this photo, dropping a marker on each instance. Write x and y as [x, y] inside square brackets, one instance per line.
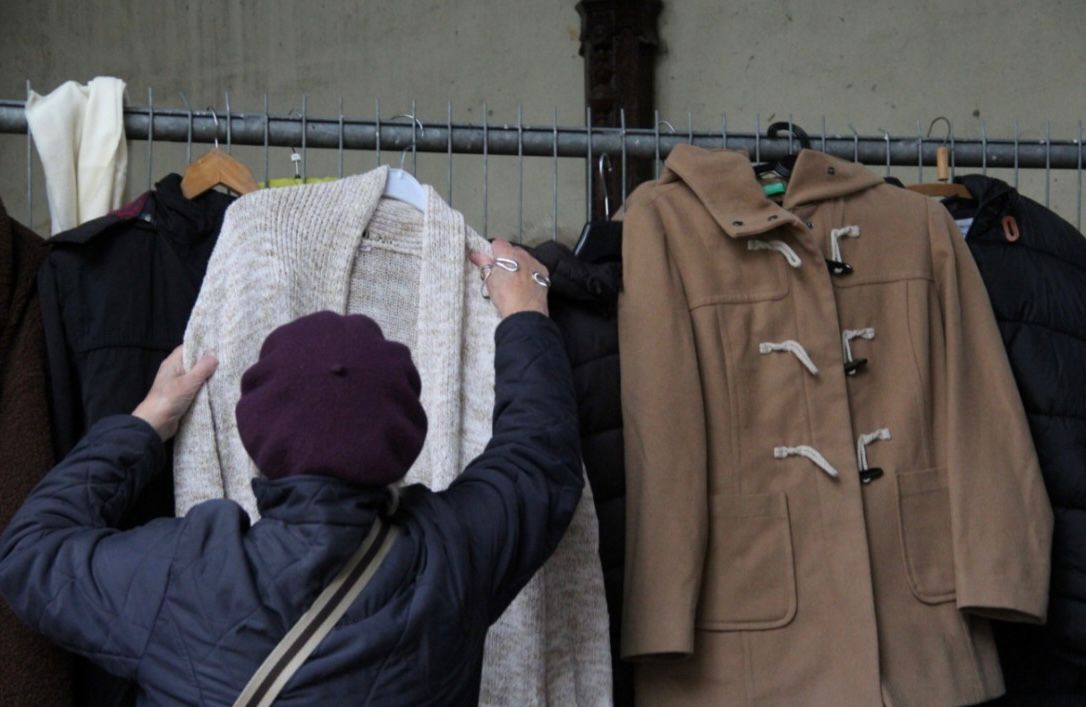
[831, 482]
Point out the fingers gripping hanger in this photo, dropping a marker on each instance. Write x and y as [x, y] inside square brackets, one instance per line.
[601, 240]
[401, 184]
[216, 168]
[942, 187]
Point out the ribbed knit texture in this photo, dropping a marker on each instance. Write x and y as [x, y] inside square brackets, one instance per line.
[288, 252]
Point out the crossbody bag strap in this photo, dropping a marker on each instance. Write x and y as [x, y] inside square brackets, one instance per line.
[304, 637]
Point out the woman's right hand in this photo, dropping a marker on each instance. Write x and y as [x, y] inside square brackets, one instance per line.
[514, 280]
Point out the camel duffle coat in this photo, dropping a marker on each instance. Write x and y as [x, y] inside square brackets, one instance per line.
[831, 482]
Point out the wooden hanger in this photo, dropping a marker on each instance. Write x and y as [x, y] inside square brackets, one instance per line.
[943, 187]
[216, 168]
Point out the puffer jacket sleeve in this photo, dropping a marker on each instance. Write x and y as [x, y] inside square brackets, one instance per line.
[516, 499]
[664, 427]
[1001, 520]
[65, 571]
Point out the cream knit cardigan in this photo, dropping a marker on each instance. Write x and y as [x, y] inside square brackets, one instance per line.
[284, 253]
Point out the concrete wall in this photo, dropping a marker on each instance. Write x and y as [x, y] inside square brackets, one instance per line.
[877, 64]
[432, 51]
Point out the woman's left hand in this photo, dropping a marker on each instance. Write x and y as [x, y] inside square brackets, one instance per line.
[173, 391]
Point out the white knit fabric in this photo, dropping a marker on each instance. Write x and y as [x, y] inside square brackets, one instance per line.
[79, 133]
[284, 253]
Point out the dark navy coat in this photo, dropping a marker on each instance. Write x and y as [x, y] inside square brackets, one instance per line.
[583, 301]
[190, 607]
[1037, 285]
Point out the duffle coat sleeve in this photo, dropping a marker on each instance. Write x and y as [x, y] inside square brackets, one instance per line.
[1001, 520]
[664, 425]
[831, 482]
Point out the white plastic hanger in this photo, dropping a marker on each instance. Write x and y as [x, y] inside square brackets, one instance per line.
[402, 186]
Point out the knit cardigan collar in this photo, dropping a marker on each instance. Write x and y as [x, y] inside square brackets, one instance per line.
[438, 336]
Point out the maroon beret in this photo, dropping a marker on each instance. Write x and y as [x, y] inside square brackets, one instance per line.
[331, 396]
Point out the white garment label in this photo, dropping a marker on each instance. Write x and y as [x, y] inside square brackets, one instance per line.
[963, 225]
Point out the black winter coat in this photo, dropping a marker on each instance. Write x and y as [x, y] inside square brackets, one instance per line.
[1037, 285]
[583, 301]
[116, 295]
[190, 607]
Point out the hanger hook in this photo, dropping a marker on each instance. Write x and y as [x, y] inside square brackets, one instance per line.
[215, 117]
[605, 159]
[668, 124]
[403, 158]
[411, 117]
[949, 128]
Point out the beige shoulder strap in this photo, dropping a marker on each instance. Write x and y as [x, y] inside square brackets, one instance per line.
[318, 620]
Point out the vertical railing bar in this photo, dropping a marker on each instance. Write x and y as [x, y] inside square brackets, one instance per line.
[886, 133]
[554, 234]
[448, 135]
[377, 127]
[789, 133]
[758, 137]
[150, 136]
[339, 109]
[415, 122]
[520, 172]
[656, 133]
[622, 132]
[1048, 162]
[229, 124]
[29, 167]
[953, 151]
[486, 169]
[1017, 135]
[267, 143]
[983, 148]
[588, 163]
[919, 153]
[305, 138]
[1078, 193]
[724, 130]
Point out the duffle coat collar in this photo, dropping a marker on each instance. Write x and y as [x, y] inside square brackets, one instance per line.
[724, 182]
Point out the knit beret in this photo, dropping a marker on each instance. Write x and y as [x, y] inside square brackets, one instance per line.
[331, 396]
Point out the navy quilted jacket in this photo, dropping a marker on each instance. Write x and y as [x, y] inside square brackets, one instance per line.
[1037, 285]
[584, 304]
[190, 607]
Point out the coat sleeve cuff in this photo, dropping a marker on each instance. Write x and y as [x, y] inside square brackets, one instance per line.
[1001, 604]
[662, 640]
[138, 428]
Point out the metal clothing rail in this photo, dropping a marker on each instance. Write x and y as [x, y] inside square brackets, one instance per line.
[173, 125]
[587, 142]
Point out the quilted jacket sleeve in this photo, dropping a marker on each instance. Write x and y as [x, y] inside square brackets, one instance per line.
[64, 570]
[664, 427]
[1001, 520]
[516, 499]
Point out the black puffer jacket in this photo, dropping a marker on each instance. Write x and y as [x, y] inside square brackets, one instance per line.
[1037, 285]
[583, 303]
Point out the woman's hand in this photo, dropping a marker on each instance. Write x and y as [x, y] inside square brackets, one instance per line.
[173, 391]
[513, 279]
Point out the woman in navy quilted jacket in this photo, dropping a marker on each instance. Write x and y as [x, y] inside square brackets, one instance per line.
[190, 607]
